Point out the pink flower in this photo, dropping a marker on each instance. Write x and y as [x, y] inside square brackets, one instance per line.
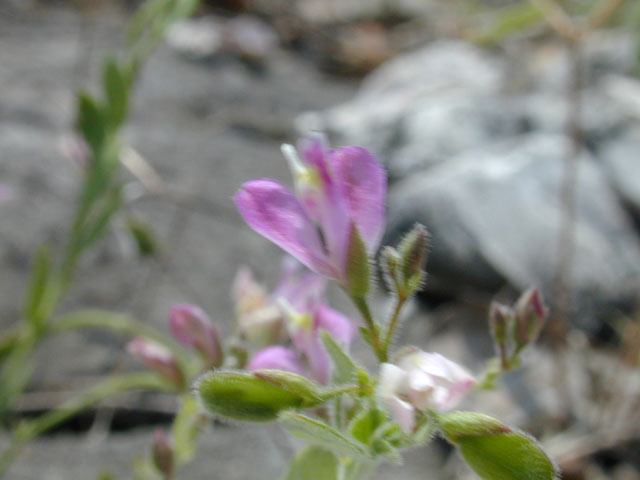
[305, 329]
[277, 357]
[337, 190]
[192, 327]
[158, 358]
[420, 382]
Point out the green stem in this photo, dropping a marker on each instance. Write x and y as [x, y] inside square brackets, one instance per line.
[393, 323]
[363, 307]
[28, 430]
[118, 322]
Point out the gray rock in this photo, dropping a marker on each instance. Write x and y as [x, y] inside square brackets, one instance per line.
[405, 110]
[474, 145]
[494, 216]
[621, 159]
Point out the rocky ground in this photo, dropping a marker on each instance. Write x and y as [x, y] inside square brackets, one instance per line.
[205, 126]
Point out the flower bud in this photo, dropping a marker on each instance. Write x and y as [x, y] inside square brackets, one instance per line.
[391, 261]
[241, 395]
[191, 326]
[500, 322]
[494, 450]
[413, 253]
[162, 452]
[530, 315]
[158, 358]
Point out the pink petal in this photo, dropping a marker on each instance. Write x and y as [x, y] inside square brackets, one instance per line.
[298, 286]
[318, 358]
[363, 183]
[276, 357]
[334, 322]
[274, 212]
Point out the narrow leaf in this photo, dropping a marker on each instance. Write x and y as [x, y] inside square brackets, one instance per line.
[320, 434]
[364, 425]
[185, 430]
[117, 93]
[37, 288]
[90, 121]
[345, 369]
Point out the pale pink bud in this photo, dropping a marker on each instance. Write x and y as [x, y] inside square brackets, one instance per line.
[278, 358]
[158, 358]
[191, 326]
[162, 452]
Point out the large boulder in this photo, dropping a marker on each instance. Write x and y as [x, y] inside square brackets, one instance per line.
[474, 143]
[494, 216]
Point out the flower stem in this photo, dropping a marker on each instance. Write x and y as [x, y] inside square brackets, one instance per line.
[393, 323]
[363, 308]
[28, 430]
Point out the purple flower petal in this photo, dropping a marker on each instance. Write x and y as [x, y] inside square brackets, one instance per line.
[363, 183]
[334, 322]
[274, 212]
[276, 357]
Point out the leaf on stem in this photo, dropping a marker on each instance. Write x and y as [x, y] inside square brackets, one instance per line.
[321, 434]
[313, 463]
[344, 369]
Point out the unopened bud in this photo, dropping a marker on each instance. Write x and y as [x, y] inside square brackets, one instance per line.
[242, 395]
[162, 452]
[413, 251]
[192, 327]
[495, 451]
[500, 320]
[391, 261]
[530, 315]
[158, 358]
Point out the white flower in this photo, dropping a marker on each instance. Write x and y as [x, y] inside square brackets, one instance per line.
[422, 381]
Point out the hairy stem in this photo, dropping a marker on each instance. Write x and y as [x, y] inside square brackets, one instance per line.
[363, 308]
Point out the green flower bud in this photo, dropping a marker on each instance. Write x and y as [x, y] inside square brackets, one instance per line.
[530, 315]
[495, 451]
[242, 395]
[413, 252]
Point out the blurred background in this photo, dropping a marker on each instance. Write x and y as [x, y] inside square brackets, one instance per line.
[509, 128]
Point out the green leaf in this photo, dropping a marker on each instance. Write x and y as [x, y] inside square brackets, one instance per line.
[495, 451]
[38, 286]
[382, 447]
[320, 434]
[511, 20]
[185, 430]
[116, 87]
[313, 463]
[143, 236]
[110, 206]
[90, 121]
[240, 395]
[344, 369]
[357, 268]
[364, 425]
